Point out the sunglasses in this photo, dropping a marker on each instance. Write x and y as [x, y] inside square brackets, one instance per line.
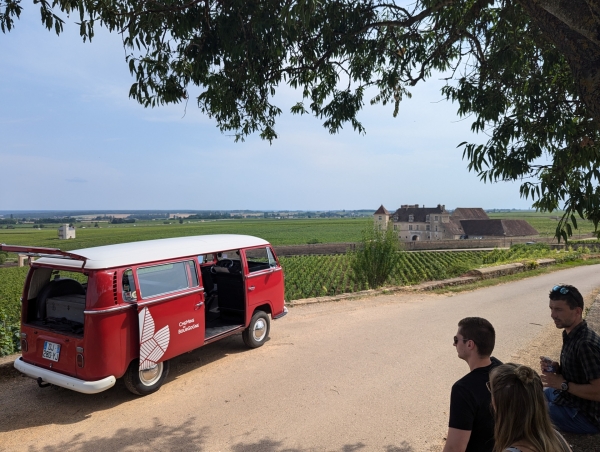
[457, 339]
[562, 290]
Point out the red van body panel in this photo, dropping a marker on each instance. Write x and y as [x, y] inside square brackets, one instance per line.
[68, 346]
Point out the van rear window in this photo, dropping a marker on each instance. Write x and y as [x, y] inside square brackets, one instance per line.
[165, 278]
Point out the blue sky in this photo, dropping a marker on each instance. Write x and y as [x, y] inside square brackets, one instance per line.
[72, 139]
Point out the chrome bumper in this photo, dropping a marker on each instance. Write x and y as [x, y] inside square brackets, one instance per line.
[64, 381]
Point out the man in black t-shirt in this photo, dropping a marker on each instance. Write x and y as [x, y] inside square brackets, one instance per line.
[471, 425]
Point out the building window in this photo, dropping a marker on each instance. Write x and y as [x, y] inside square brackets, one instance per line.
[411, 218]
[395, 227]
[417, 227]
[427, 227]
[436, 229]
[436, 218]
[427, 218]
[380, 218]
[410, 227]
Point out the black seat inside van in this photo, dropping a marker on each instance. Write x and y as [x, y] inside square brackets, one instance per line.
[230, 290]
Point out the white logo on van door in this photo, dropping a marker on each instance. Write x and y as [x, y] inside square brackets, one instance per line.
[186, 326]
[152, 346]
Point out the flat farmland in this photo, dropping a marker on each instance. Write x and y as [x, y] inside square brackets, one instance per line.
[277, 232]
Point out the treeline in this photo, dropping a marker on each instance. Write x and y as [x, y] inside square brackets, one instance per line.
[212, 216]
[69, 220]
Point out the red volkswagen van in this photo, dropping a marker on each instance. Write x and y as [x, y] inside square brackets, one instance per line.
[93, 315]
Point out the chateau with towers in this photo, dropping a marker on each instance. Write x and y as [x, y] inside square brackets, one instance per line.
[413, 223]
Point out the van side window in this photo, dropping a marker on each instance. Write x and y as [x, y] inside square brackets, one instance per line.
[129, 291]
[161, 279]
[272, 260]
[193, 273]
[260, 259]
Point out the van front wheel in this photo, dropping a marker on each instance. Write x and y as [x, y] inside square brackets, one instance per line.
[147, 381]
[258, 331]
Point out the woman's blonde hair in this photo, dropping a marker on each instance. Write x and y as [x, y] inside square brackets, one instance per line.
[520, 409]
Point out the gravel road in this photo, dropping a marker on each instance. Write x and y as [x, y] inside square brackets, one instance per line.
[360, 375]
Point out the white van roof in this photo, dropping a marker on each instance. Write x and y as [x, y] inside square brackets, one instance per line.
[135, 253]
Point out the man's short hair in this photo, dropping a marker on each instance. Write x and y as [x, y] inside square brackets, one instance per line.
[479, 331]
[568, 294]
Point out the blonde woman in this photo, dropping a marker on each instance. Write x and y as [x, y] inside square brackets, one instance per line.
[522, 423]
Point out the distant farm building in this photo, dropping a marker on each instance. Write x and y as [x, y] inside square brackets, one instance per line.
[414, 223]
[66, 232]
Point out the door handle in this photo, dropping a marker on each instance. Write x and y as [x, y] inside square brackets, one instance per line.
[199, 304]
[251, 288]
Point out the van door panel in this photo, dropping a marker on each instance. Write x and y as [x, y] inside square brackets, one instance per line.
[171, 327]
[264, 280]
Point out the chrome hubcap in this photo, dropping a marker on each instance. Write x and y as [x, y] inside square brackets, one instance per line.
[260, 330]
[150, 376]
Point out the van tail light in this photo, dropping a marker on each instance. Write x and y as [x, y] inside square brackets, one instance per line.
[24, 344]
[80, 360]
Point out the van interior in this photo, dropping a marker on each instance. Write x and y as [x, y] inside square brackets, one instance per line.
[56, 300]
[225, 303]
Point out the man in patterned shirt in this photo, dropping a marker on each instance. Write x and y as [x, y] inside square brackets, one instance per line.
[572, 387]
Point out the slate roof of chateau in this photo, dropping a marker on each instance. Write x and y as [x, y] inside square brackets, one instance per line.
[453, 227]
[498, 228]
[469, 213]
[419, 213]
[381, 211]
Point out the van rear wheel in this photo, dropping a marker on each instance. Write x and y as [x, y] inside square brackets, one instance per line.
[258, 331]
[147, 381]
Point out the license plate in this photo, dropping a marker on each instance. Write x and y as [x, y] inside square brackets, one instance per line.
[51, 351]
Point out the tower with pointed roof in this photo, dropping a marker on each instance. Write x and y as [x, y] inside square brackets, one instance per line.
[381, 218]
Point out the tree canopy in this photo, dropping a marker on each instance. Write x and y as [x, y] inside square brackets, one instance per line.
[527, 72]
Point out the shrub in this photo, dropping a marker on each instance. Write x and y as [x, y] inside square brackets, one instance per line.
[9, 334]
[460, 268]
[376, 257]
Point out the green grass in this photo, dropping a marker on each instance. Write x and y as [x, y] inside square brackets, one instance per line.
[11, 286]
[277, 232]
[516, 277]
